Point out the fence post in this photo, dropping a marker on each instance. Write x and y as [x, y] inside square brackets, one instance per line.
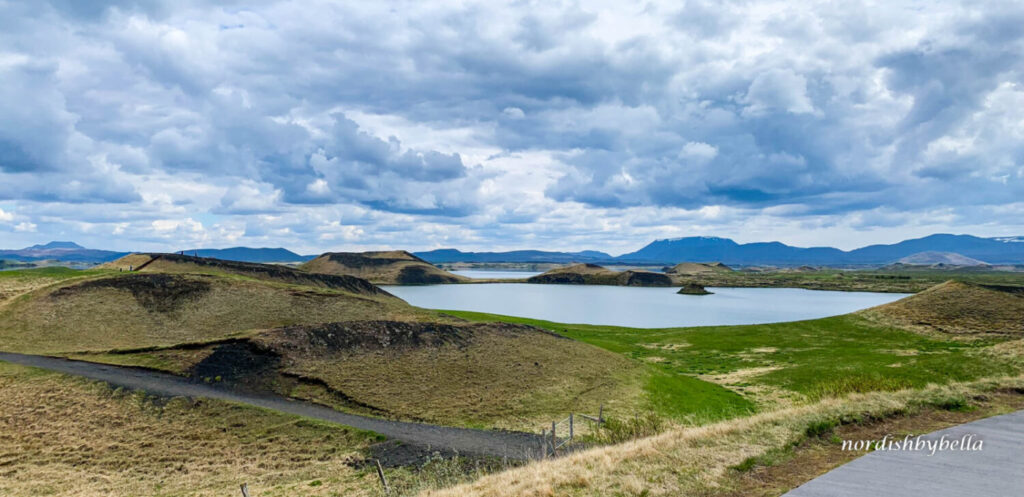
[383, 481]
[245, 490]
[571, 432]
[554, 439]
[600, 415]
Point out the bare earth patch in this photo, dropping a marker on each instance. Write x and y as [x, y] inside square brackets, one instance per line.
[765, 396]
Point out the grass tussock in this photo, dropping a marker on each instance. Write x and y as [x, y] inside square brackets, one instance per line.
[439, 472]
[696, 460]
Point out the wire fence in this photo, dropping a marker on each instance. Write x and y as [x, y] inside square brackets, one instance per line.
[564, 432]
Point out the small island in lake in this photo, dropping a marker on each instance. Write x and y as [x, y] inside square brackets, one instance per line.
[693, 289]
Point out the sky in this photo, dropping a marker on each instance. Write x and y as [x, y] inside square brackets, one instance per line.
[333, 125]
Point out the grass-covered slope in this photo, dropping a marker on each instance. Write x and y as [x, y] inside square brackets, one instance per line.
[491, 375]
[73, 437]
[714, 460]
[396, 267]
[129, 310]
[958, 308]
[175, 263]
[364, 351]
[18, 282]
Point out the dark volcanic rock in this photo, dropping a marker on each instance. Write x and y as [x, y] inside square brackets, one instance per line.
[558, 278]
[693, 289]
[420, 275]
[378, 335]
[644, 278]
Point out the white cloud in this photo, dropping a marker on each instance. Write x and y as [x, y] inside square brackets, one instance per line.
[699, 151]
[777, 89]
[513, 112]
[191, 122]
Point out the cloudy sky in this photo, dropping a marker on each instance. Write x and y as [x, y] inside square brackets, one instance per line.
[492, 125]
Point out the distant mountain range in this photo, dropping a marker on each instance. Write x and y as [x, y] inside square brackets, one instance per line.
[958, 248]
[702, 249]
[63, 251]
[247, 254]
[1004, 250]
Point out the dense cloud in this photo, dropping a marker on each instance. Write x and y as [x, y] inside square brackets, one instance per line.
[546, 124]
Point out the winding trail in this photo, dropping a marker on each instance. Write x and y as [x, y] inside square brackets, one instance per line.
[514, 445]
[997, 470]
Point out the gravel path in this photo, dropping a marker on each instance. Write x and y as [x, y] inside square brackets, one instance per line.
[997, 470]
[514, 445]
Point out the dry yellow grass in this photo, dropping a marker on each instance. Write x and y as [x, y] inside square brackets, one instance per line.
[695, 460]
[19, 282]
[956, 308]
[12, 287]
[128, 262]
[69, 437]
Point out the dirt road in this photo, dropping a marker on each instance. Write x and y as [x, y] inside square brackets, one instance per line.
[514, 445]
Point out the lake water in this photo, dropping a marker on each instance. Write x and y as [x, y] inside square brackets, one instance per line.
[640, 307]
[484, 274]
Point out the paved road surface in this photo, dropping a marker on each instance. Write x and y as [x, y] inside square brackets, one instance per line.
[513, 445]
[995, 471]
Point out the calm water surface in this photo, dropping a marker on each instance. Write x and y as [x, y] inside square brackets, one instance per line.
[640, 307]
[483, 274]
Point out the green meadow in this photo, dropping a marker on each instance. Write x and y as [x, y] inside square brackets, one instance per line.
[788, 362]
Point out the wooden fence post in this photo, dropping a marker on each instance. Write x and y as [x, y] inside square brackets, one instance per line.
[571, 432]
[245, 490]
[554, 439]
[600, 415]
[383, 481]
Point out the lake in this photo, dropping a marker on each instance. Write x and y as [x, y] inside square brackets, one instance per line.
[486, 274]
[640, 307]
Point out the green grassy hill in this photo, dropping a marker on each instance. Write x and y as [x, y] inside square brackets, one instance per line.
[177, 264]
[491, 375]
[130, 310]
